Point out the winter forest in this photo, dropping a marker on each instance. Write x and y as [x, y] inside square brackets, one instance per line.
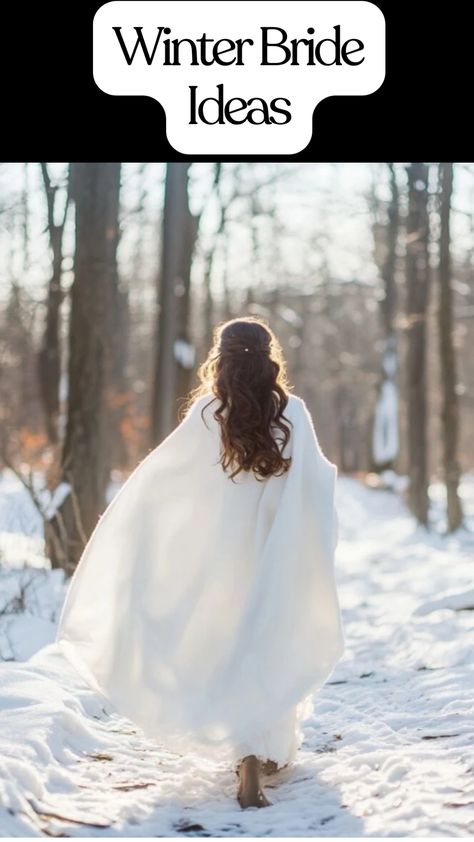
[112, 278]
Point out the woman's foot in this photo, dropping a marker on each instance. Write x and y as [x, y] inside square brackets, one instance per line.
[250, 792]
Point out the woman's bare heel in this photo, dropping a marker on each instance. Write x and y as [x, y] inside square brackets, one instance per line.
[250, 792]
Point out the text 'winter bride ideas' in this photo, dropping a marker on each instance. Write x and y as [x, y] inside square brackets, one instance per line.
[229, 81]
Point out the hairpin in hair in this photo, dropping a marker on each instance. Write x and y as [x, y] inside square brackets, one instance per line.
[258, 349]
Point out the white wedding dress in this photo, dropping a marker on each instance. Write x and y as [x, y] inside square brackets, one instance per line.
[205, 609]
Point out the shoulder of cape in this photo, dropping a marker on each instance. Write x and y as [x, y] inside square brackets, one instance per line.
[200, 402]
[296, 407]
[306, 422]
[298, 413]
[296, 410]
[197, 407]
[294, 400]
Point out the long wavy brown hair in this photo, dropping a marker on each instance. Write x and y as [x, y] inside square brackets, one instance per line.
[246, 372]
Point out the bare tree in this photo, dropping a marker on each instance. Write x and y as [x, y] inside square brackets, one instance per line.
[450, 410]
[210, 255]
[175, 352]
[25, 201]
[49, 358]
[245, 196]
[417, 282]
[385, 428]
[85, 458]
[19, 409]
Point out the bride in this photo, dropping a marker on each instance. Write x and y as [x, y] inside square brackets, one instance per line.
[204, 606]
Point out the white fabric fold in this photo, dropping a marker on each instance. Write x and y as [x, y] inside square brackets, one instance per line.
[203, 608]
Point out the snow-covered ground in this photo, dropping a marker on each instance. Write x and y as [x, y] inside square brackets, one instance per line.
[389, 750]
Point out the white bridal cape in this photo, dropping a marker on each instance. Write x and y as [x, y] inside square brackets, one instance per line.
[205, 609]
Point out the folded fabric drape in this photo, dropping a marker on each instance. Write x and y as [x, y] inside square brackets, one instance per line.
[203, 608]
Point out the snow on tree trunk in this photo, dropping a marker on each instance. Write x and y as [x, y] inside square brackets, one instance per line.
[385, 432]
[172, 378]
[385, 440]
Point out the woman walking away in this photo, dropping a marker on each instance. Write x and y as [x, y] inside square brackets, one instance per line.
[204, 606]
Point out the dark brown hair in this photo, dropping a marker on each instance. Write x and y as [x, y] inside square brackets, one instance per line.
[246, 372]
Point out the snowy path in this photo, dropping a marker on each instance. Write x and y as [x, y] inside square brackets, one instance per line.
[389, 750]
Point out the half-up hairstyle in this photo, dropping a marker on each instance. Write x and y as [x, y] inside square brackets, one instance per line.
[246, 372]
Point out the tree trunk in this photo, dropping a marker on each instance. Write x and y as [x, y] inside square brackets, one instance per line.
[85, 459]
[118, 394]
[209, 308]
[449, 412]
[175, 352]
[49, 357]
[385, 438]
[119, 326]
[417, 279]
